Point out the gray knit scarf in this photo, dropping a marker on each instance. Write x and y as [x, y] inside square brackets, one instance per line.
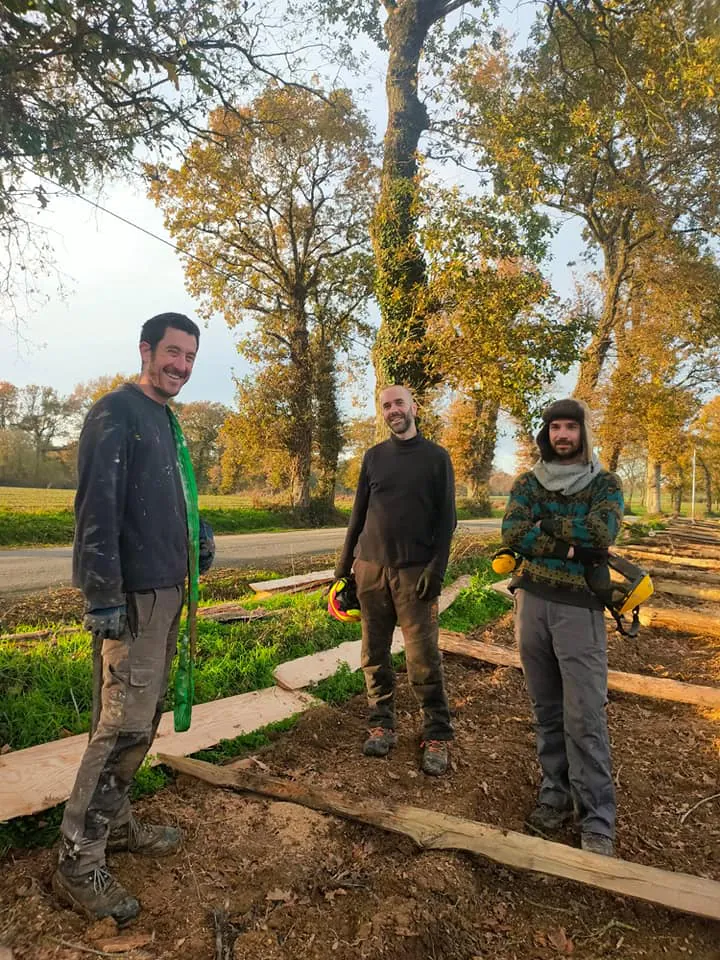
[566, 478]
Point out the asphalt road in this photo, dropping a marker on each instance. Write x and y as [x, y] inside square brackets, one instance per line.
[26, 570]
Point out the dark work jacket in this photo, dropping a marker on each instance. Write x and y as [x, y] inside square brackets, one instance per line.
[404, 510]
[130, 520]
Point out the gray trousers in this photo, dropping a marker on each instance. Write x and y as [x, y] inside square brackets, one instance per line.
[563, 650]
[130, 678]
[388, 597]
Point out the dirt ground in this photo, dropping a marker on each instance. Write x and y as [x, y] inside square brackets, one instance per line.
[299, 885]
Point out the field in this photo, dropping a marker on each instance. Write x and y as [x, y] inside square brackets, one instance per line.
[36, 517]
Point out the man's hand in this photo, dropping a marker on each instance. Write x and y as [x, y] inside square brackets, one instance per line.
[107, 623]
[590, 556]
[429, 584]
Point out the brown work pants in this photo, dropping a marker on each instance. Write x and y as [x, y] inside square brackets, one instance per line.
[388, 597]
[130, 678]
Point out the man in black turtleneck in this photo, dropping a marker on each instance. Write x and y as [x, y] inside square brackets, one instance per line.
[397, 545]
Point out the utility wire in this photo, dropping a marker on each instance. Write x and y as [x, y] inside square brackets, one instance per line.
[149, 233]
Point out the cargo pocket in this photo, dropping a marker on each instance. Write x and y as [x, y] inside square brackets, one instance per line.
[141, 701]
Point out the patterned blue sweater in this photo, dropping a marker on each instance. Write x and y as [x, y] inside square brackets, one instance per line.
[589, 518]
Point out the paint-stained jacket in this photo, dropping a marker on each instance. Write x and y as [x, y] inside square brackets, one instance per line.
[130, 525]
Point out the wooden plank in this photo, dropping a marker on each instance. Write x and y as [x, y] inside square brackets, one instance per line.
[432, 830]
[300, 673]
[638, 684]
[677, 588]
[679, 562]
[682, 621]
[39, 635]
[39, 777]
[234, 613]
[305, 581]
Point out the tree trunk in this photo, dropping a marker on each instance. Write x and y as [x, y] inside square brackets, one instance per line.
[400, 354]
[614, 455]
[300, 426]
[593, 359]
[707, 476]
[328, 431]
[478, 473]
[654, 490]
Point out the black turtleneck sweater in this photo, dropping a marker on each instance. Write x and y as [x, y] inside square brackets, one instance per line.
[404, 510]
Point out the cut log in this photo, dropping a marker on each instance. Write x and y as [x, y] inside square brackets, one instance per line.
[641, 685]
[695, 577]
[432, 830]
[300, 673]
[679, 561]
[39, 634]
[680, 620]
[304, 581]
[40, 777]
[234, 613]
[678, 588]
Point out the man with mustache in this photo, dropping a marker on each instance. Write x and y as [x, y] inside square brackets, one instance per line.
[397, 544]
[130, 559]
[561, 517]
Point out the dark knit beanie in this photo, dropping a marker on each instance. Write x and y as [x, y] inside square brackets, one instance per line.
[566, 409]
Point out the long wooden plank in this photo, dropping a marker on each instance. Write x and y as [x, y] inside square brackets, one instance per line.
[39, 777]
[639, 684]
[677, 588]
[432, 830]
[678, 560]
[300, 673]
[303, 580]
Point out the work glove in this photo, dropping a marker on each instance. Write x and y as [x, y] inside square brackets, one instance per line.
[207, 546]
[429, 584]
[106, 623]
[590, 556]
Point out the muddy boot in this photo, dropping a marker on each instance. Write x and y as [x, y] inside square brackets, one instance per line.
[546, 820]
[96, 894]
[379, 743]
[146, 838]
[435, 757]
[597, 843]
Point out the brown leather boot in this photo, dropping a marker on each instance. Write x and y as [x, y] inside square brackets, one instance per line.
[96, 894]
[149, 839]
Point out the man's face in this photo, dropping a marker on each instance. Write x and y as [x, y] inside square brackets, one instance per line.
[565, 439]
[169, 365]
[398, 409]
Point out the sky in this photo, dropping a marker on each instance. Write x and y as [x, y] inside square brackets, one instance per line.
[116, 277]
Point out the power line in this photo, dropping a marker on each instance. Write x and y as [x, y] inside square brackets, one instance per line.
[149, 233]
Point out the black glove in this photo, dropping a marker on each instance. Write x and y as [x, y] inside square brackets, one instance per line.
[207, 546]
[429, 584]
[590, 556]
[106, 623]
[548, 526]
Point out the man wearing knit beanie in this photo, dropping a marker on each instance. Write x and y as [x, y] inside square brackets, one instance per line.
[561, 518]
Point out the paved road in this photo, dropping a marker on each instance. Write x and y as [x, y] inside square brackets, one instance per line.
[25, 570]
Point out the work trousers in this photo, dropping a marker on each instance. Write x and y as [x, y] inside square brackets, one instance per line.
[388, 597]
[130, 678]
[563, 650]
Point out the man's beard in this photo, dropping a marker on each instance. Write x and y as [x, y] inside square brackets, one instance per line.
[567, 452]
[401, 424]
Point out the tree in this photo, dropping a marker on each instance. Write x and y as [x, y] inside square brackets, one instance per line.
[43, 414]
[498, 336]
[609, 116]
[706, 439]
[410, 29]
[8, 404]
[273, 215]
[359, 437]
[201, 422]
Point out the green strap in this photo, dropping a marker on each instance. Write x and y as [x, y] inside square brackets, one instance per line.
[187, 642]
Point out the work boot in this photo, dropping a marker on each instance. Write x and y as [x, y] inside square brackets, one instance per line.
[380, 741]
[545, 819]
[597, 843]
[96, 894]
[435, 757]
[145, 838]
